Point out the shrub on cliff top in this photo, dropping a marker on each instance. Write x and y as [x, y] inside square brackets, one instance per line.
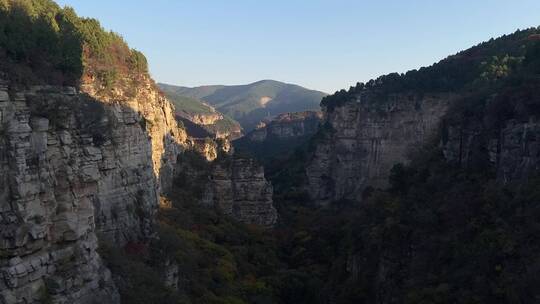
[465, 71]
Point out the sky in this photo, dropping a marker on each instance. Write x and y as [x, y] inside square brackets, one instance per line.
[320, 44]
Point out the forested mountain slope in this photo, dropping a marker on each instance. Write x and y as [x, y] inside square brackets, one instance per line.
[200, 113]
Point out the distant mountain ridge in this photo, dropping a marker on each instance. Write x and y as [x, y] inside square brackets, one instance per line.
[251, 103]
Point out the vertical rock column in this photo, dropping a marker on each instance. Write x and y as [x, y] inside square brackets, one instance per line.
[240, 190]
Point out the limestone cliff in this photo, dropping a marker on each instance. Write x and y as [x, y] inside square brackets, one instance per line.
[77, 163]
[144, 104]
[364, 138]
[239, 189]
[73, 168]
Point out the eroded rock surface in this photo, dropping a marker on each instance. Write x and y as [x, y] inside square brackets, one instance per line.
[239, 189]
[365, 138]
[75, 167]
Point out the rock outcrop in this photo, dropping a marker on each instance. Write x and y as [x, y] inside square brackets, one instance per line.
[239, 189]
[149, 108]
[205, 119]
[513, 149]
[287, 126]
[231, 133]
[364, 138]
[75, 167]
[209, 148]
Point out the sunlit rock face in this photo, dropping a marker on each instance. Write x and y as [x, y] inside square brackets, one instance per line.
[214, 125]
[206, 119]
[75, 167]
[210, 149]
[239, 189]
[146, 105]
[363, 139]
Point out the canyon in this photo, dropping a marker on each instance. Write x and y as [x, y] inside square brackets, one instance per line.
[417, 187]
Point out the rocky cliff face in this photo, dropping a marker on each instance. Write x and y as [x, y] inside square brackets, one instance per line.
[364, 138]
[145, 105]
[239, 189]
[287, 126]
[76, 166]
[205, 119]
[232, 134]
[513, 150]
[209, 148]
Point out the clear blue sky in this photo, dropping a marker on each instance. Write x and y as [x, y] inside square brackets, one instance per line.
[320, 44]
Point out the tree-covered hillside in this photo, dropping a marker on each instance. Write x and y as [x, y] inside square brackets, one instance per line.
[466, 71]
[188, 107]
[43, 43]
[189, 104]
